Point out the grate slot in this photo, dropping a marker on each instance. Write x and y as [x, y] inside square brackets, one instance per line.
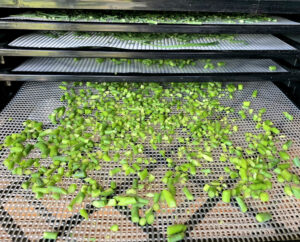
[23, 218]
[89, 65]
[70, 40]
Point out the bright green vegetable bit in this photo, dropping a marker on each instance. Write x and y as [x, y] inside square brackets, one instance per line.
[272, 68]
[288, 190]
[176, 228]
[169, 198]
[226, 195]
[143, 175]
[284, 155]
[287, 145]
[149, 216]
[114, 228]
[125, 201]
[242, 114]
[264, 197]
[50, 235]
[112, 202]
[296, 191]
[246, 104]
[254, 94]
[188, 194]
[114, 171]
[142, 221]
[176, 237]
[206, 171]
[242, 204]
[221, 63]
[296, 161]
[288, 116]
[57, 190]
[99, 203]
[151, 178]
[135, 214]
[263, 217]
[84, 213]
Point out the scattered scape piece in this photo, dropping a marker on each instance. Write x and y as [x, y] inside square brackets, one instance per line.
[50, 235]
[263, 217]
[272, 68]
[114, 228]
[288, 116]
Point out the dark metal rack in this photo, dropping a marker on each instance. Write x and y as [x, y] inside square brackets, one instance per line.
[8, 76]
[229, 6]
[104, 53]
[13, 52]
[7, 51]
[247, 6]
[160, 28]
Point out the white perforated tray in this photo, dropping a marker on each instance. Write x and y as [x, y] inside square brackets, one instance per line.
[69, 40]
[89, 65]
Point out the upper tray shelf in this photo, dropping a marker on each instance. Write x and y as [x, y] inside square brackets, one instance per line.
[245, 6]
[150, 46]
[164, 22]
[150, 42]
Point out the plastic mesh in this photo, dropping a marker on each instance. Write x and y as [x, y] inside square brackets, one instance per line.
[69, 40]
[90, 65]
[24, 218]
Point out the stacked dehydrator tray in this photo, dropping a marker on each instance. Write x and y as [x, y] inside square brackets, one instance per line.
[43, 43]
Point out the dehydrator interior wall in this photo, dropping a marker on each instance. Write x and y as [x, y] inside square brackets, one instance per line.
[46, 42]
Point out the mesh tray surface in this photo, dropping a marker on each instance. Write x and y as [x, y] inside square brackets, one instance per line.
[69, 40]
[23, 218]
[89, 65]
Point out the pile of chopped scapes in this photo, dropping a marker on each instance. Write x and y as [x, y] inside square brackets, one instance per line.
[146, 17]
[113, 123]
[150, 38]
[180, 63]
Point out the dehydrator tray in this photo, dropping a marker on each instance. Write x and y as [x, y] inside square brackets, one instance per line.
[279, 21]
[268, 28]
[90, 65]
[96, 39]
[23, 218]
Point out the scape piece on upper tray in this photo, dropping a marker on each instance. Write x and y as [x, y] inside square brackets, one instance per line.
[148, 66]
[150, 41]
[141, 17]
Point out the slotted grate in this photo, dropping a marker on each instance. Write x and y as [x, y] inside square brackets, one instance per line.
[23, 218]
